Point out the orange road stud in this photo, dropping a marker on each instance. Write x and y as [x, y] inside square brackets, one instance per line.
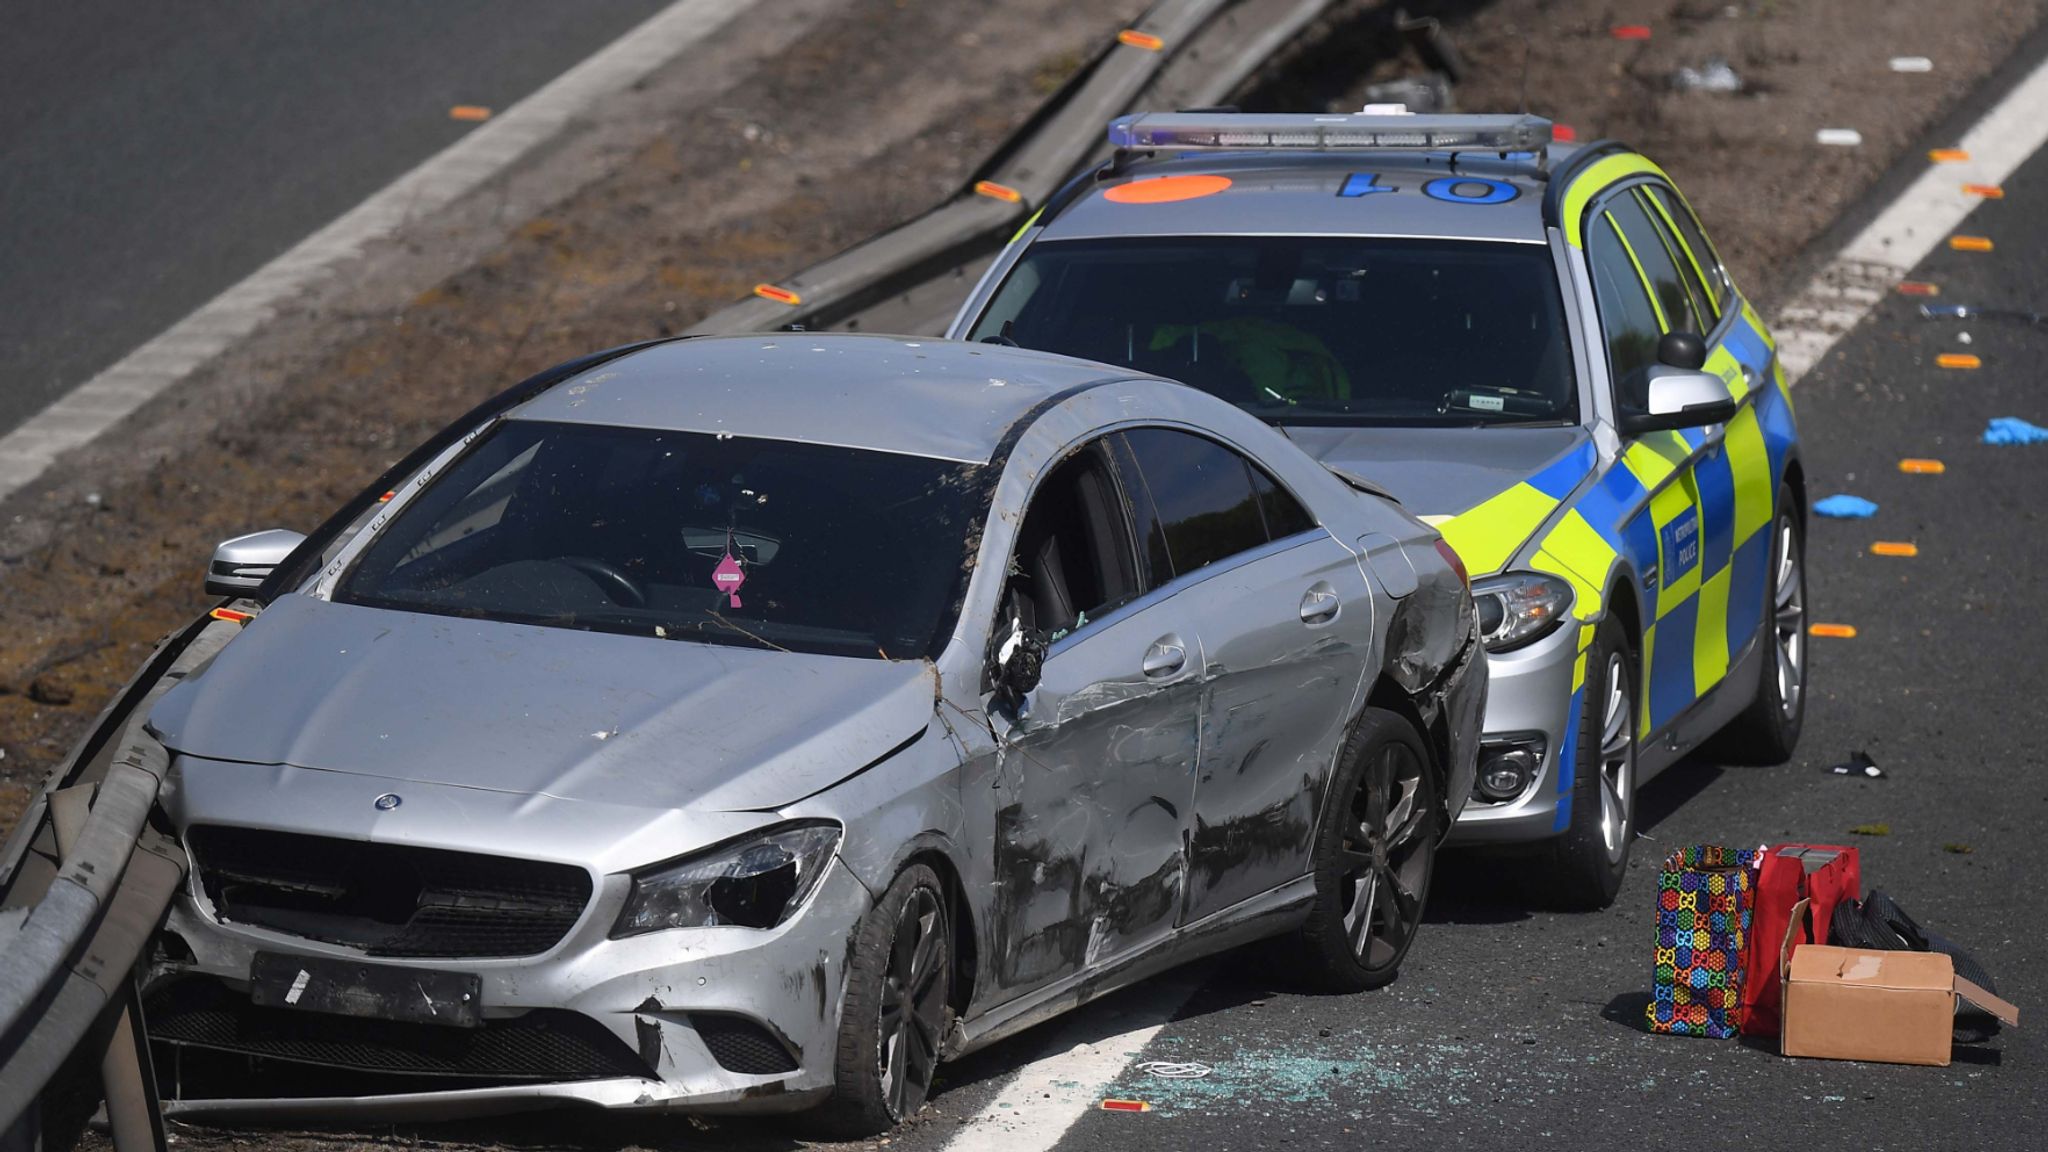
[1894, 548]
[1970, 243]
[1948, 156]
[1918, 288]
[1137, 39]
[470, 112]
[1920, 467]
[1838, 631]
[1987, 191]
[1958, 360]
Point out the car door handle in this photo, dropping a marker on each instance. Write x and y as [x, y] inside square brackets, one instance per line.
[1166, 656]
[1320, 605]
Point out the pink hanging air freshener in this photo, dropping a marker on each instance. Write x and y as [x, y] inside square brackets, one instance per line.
[728, 577]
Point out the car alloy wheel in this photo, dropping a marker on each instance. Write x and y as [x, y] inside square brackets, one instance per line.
[1790, 601]
[1617, 758]
[913, 1007]
[1386, 857]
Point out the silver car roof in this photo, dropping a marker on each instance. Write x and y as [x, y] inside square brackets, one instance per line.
[912, 395]
[1297, 193]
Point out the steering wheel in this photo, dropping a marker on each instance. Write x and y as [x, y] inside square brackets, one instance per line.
[610, 579]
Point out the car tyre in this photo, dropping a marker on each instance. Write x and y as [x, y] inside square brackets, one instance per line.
[1374, 857]
[893, 1021]
[1590, 859]
[1768, 730]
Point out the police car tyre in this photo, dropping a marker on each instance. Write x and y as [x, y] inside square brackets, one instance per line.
[1591, 857]
[1374, 857]
[1768, 730]
[894, 1018]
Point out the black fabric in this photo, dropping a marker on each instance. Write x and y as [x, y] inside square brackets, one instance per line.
[1879, 924]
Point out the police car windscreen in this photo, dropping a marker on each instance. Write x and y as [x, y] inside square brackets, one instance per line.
[1312, 330]
[684, 536]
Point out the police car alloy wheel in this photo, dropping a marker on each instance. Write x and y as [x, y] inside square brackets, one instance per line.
[1592, 855]
[1768, 730]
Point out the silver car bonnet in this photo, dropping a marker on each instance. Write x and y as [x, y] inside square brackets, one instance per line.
[613, 719]
[1445, 471]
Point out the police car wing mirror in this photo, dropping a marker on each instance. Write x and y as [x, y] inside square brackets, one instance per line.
[241, 565]
[1681, 398]
[1682, 350]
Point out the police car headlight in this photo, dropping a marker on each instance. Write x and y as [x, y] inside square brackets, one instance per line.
[755, 882]
[1519, 608]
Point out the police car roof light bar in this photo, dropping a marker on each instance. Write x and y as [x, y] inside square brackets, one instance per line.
[1196, 130]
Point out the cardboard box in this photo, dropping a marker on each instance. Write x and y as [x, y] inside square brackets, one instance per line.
[1890, 1007]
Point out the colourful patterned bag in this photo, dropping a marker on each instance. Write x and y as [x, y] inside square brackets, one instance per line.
[1703, 911]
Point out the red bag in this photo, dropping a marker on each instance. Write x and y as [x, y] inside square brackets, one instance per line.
[1821, 874]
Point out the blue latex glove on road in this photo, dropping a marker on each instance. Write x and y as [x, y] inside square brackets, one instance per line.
[2012, 430]
[1845, 507]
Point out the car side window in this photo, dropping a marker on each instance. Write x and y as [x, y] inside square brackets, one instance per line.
[1627, 317]
[1196, 502]
[1073, 561]
[1704, 309]
[1646, 243]
[1704, 260]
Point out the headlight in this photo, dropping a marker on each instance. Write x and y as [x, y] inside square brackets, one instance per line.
[751, 883]
[1519, 607]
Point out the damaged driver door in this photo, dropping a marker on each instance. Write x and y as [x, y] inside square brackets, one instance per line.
[1097, 778]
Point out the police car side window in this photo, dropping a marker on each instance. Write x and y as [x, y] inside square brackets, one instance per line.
[1627, 318]
[1654, 257]
[1704, 259]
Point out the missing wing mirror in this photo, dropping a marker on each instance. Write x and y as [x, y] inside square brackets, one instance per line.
[241, 565]
[1016, 661]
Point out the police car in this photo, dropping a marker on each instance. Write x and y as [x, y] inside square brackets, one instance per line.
[1533, 346]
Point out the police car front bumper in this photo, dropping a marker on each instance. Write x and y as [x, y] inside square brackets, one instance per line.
[1529, 710]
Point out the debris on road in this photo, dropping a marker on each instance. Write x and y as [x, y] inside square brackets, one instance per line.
[1965, 312]
[1175, 1069]
[1839, 137]
[1704, 895]
[1877, 829]
[1957, 849]
[1114, 1105]
[1912, 64]
[2013, 430]
[1630, 31]
[1859, 763]
[1918, 288]
[1713, 76]
[1843, 506]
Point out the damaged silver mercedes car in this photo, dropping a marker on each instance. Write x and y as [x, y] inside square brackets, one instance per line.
[749, 723]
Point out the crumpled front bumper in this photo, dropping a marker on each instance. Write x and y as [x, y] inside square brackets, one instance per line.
[1529, 697]
[643, 991]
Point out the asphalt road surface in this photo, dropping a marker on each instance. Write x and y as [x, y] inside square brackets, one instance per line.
[151, 155]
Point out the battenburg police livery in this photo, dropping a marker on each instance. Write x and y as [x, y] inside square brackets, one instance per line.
[1531, 344]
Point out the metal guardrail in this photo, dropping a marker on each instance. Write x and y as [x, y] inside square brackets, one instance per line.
[1181, 53]
[84, 879]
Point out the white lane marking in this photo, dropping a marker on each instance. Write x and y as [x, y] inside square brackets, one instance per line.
[1873, 263]
[1044, 1098]
[98, 404]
